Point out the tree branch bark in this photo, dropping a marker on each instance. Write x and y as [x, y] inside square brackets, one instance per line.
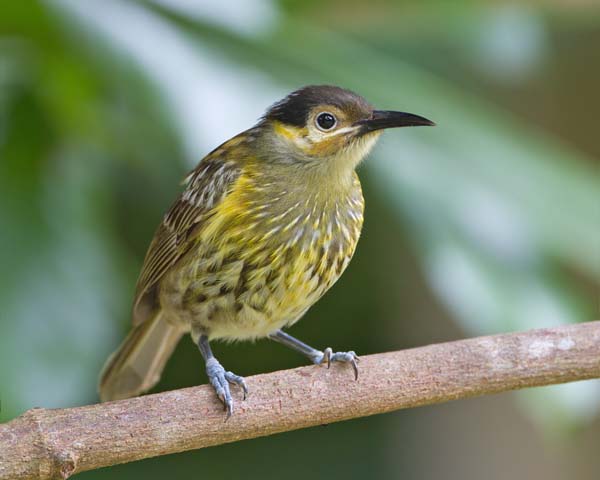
[45, 444]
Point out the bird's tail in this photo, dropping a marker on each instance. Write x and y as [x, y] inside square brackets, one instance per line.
[139, 361]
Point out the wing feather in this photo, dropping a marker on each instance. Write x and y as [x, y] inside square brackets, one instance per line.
[206, 187]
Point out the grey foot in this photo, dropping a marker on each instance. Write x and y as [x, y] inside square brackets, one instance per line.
[220, 380]
[329, 356]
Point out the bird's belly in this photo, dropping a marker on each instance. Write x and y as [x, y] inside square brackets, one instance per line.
[237, 294]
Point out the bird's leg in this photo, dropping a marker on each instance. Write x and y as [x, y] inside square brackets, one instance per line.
[316, 356]
[218, 377]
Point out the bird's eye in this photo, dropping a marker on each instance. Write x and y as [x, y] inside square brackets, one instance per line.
[326, 121]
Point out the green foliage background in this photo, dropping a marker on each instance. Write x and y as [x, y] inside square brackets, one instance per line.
[490, 222]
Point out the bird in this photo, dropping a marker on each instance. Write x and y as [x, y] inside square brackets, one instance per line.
[265, 225]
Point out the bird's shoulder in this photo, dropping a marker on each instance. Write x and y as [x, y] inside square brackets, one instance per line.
[205, 187]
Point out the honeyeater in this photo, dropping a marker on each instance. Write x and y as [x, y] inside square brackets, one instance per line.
[266, 224]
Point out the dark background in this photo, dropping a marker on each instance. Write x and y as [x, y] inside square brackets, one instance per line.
[488, 223]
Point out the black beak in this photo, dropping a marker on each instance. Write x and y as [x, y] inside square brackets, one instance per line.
[390, 119]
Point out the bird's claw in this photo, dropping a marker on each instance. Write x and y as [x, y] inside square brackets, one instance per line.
[328, 356]
[220, 379]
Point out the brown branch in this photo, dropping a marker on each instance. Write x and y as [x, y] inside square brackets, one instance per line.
[45, 444]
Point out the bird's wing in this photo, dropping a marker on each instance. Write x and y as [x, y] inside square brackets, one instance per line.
[206, 186]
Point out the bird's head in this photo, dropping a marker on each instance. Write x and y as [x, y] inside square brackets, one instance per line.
[322, 124]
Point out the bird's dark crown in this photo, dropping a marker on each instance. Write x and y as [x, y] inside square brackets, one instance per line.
[295, 108]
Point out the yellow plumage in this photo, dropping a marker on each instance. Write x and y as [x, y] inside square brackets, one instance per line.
[260, 261]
